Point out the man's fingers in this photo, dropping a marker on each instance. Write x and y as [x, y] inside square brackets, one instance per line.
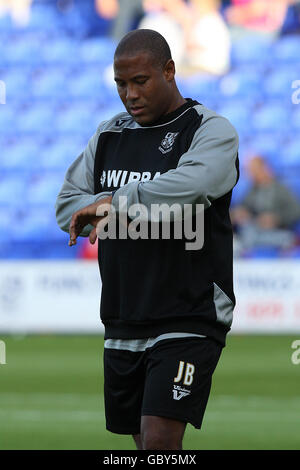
[93, 236]
[88, 215]
[75, 228]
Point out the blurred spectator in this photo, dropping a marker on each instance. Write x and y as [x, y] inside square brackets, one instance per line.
[291, 24]
[266, 216]
[259, 16]
[208, 39]
[196, 32]
[18, 9]
[125, 15]
[168, 19]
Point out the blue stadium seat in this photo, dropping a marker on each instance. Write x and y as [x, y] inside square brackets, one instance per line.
[37, 224]
[43, 188]
[238, 114]
[24, 50]
[17, 82]
[272, 116]
[59, 249]
[263, 252]
[50, 82]
[198, 86]
[278, 83]
[35, 119]
[61, 153]
[22, 154]
[7, 119]
[242, 82]
[291, 154]
[265, 144]
[99, 51]
[6, 26]
[294, 253]
[286, 49]
[76, 119]
[41, 11]
[59, 88]
[292, 181]
[37, 249]
[251, 49]
[6, 222]
[86, 84]
[62, 50]
[102, 114]
[295, 119]
[13, 189]
[240, 191]
[297, 230]
[32, 225]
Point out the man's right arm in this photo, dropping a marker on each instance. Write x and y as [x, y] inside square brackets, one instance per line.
[78, 187]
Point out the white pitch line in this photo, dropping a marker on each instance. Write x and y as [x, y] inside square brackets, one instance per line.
[280, 416]
[45, 397]
[219, 400]
[65, 416]
[46, 416]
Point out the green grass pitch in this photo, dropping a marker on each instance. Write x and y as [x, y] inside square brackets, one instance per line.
[51, 396]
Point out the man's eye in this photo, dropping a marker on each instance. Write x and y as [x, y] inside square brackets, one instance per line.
[141, 82]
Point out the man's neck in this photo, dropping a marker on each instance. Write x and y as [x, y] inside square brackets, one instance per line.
[176, 104]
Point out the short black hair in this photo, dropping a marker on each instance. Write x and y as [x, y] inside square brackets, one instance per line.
[145, 40]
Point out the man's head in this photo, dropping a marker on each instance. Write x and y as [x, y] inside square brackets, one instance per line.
[259, 171]
[144, 73]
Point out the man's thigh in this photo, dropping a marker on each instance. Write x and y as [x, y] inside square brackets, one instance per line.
[178, 379]
[171, 380]
[124, 378]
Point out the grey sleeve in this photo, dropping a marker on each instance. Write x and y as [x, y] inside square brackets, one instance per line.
[204, 173]
[78, 188]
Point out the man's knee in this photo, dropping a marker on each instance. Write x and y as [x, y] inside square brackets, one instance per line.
[159, 433]
[158, 441]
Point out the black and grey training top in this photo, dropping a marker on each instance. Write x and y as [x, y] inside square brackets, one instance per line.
[152, 287]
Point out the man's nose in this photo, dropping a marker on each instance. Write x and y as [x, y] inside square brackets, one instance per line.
[132, 93]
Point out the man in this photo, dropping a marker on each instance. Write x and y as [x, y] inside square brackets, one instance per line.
[166, 309]
[266, 215]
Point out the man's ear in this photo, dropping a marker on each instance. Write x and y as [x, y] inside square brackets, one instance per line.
[169, 70]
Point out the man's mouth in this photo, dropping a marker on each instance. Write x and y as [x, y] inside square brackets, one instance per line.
[136, 110]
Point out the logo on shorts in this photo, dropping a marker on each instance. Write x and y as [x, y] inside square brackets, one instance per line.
[189, 373]
[179, 392]
[166, 144]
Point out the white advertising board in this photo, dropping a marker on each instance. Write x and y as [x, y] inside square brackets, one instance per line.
[268, 296]
[64, 297]
[50, 297]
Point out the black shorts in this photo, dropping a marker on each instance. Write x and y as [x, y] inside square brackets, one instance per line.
[171, 379]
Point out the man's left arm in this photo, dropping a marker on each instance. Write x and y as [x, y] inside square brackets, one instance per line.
[207, 171]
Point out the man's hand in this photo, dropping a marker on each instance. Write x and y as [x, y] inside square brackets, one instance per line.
[87, 216]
